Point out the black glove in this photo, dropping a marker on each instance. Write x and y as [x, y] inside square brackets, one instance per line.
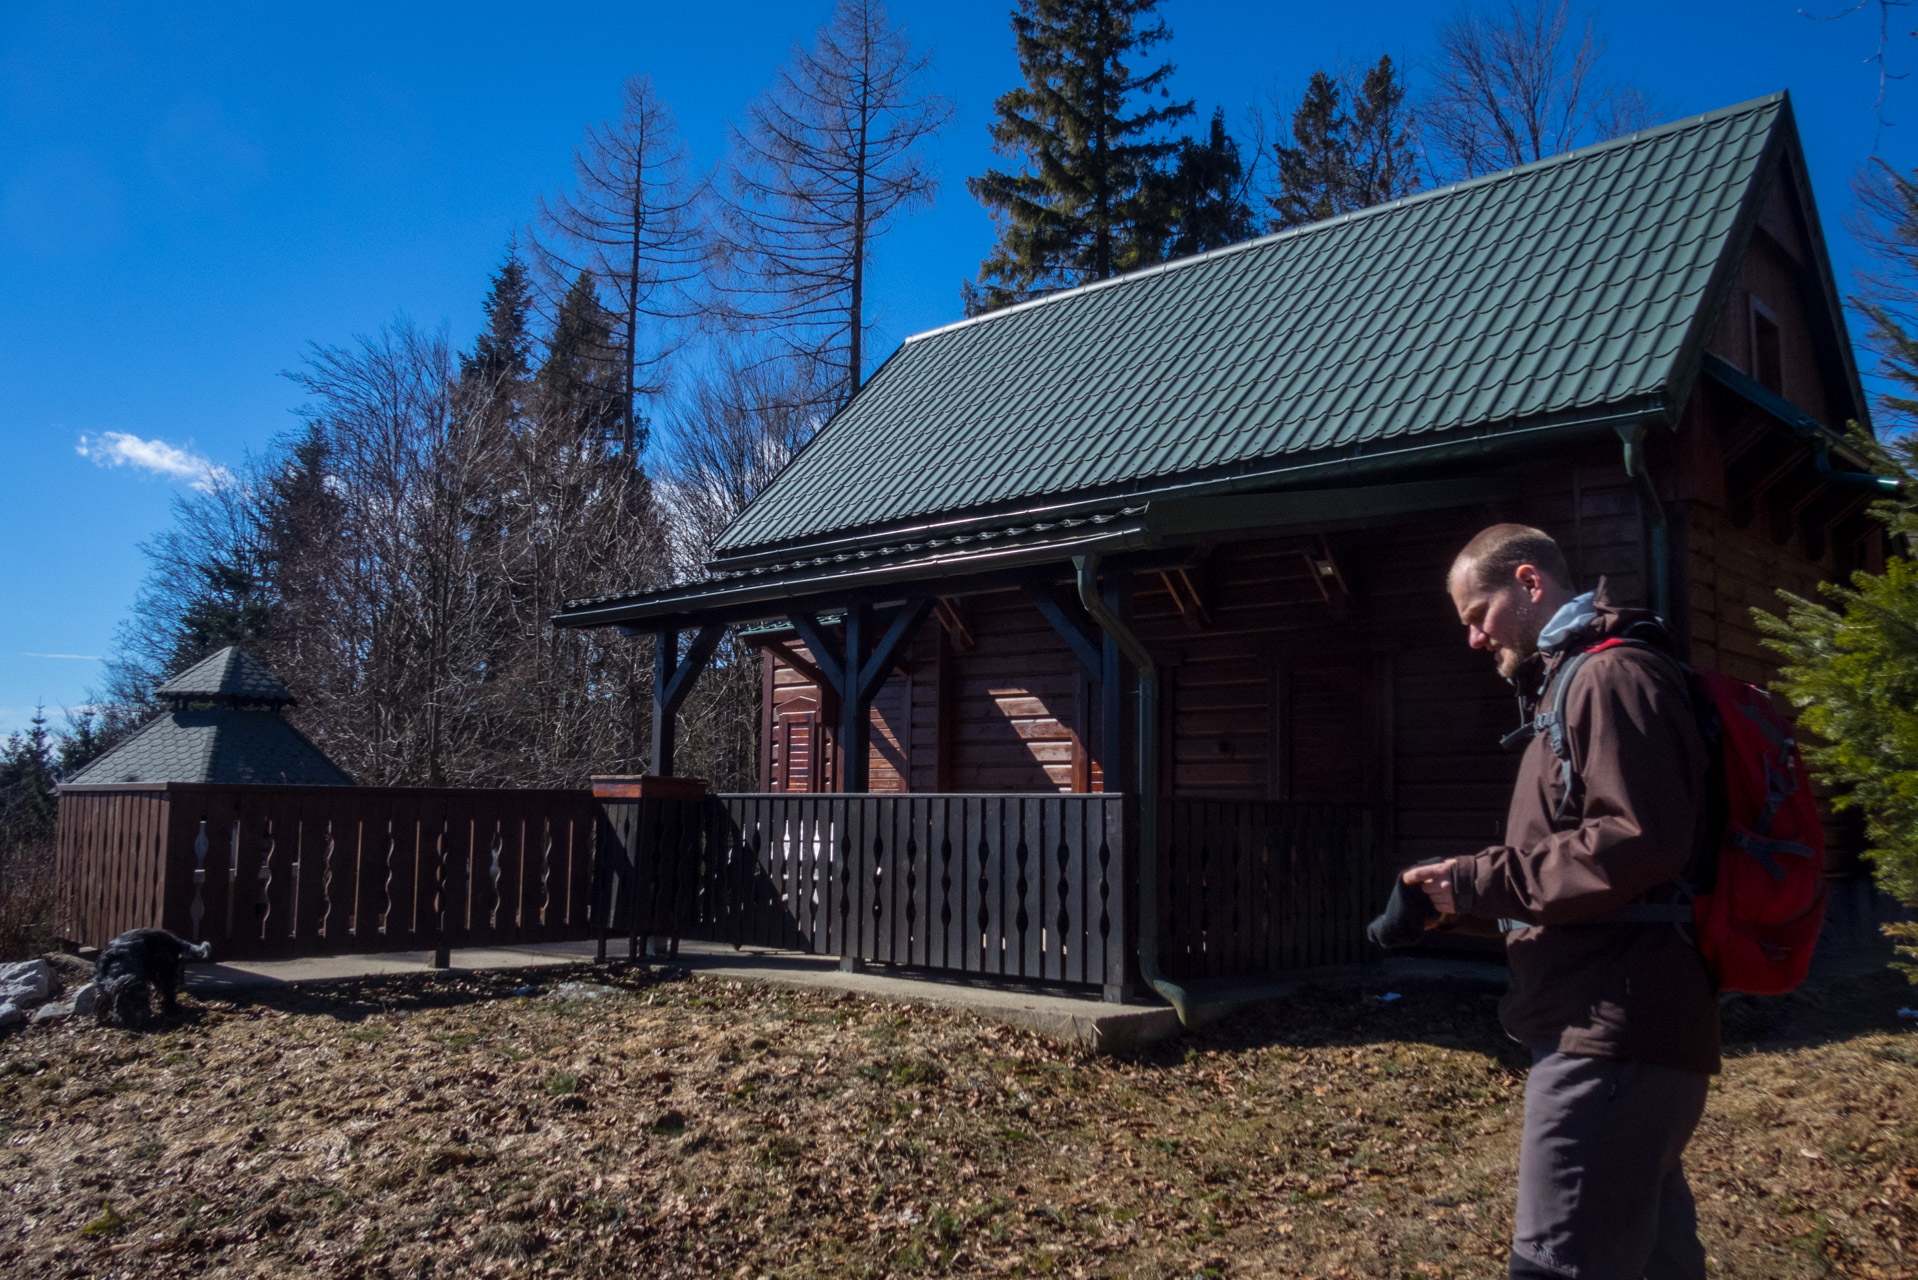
[1402, 923]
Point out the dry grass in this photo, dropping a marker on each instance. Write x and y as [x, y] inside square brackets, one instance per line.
[683, 1127]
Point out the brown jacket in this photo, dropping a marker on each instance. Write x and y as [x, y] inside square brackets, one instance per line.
[1580, 984]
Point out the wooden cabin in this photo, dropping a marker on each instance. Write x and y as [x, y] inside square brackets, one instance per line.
[1259, 462]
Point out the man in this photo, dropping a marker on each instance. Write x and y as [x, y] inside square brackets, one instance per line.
[1621, 1018]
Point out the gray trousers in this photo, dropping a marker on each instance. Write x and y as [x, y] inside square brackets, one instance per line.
[1601, 1194]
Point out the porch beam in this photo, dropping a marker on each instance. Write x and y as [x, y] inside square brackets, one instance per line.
[891, 647]
[831, 673]
[1072, 624]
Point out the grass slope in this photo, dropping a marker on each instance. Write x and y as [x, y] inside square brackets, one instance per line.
[682, 1127]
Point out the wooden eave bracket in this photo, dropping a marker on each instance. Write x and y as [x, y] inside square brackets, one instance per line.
[685, 670]
[1078, 630]
[1323, 568]
[1185, 594]
[946, 609]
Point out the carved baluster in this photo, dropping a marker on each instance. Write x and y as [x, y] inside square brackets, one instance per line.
[197, 912]
[985, 908]
[1064, 921]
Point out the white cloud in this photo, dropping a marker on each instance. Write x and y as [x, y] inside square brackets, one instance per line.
[124, 449]
[76, 657]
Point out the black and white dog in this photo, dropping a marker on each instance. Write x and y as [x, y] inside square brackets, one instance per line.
[136, 962]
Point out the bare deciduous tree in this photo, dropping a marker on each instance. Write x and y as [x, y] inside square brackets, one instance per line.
[825, 161]
[633, 223]
[731, 433]
[1521, 84]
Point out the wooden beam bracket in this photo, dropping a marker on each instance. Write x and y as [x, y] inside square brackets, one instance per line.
[1070, 621]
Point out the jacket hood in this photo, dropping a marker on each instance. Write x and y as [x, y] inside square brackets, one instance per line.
[1583, 622]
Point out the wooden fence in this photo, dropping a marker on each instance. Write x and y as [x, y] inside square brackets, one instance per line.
[1251, 887]
[1017, 886]
[277, 871]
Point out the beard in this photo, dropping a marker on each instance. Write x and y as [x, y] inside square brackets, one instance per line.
[1511, 662]
[1513, 659]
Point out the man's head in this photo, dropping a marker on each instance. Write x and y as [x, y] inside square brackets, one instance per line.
[1506, 584]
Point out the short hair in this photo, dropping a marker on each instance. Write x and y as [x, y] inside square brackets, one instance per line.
[1497, 552]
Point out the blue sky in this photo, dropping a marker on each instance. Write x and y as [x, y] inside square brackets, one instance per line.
[191, 193]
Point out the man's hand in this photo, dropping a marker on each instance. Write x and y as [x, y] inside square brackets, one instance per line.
[1436, 880]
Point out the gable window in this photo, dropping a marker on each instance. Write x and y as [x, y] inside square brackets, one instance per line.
[1768, 366]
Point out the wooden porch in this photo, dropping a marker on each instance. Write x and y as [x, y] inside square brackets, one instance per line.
[1035, 888]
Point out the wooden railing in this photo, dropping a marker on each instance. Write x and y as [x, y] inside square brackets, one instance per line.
[1035, 887]
[276, 871]
[1248, 887]
[1016, 886]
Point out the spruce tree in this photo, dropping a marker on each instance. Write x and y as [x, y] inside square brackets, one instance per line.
[28, 801]
[581, 382]
[1384, 159]
[504, 348]
[1206, 194]
[1084, 206]
[1352, 148]
[1314, 173]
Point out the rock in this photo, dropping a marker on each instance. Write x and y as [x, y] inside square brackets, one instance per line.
[84, 1000]
[26, 982]
[11, 1013]
[68, 972]
[53, 1012]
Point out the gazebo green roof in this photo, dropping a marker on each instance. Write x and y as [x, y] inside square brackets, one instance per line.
[225, 726]
[231, 674]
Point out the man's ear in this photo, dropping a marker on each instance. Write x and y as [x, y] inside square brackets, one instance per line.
[1531, 581]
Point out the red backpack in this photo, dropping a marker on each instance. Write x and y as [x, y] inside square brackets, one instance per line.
[1760, 899]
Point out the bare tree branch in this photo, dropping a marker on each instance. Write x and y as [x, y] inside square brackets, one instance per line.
[1519, 85]
[826, 160]
[634, 223]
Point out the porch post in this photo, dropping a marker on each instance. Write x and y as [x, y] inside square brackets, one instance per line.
[1113, 762]
[673, 678]
[855, 720]
[665, 717]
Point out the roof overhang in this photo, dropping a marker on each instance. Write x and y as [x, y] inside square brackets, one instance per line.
[966, 565]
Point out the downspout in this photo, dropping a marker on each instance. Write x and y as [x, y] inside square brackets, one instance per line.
[1633, 434]
[1137, 654]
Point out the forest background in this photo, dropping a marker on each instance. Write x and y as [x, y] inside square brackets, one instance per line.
[659, 337]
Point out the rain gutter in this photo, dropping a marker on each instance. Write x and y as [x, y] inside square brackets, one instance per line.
[1139, 656]
[1360, 459]
[1633, 434]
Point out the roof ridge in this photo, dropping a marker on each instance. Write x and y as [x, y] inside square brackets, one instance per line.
[1780, 96]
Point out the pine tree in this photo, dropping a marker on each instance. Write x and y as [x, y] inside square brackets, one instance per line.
[1084, 207]
[28, 801]
[1206, 194]
[580, 381]
[1384, 157]
[1315, 173]
[504, 348]
[1352, 147]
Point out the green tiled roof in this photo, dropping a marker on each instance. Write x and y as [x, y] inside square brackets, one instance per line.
[229, 674]
[1556, 290]
[216, 744]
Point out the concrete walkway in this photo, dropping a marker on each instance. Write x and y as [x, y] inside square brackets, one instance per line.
[1088, 1023]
